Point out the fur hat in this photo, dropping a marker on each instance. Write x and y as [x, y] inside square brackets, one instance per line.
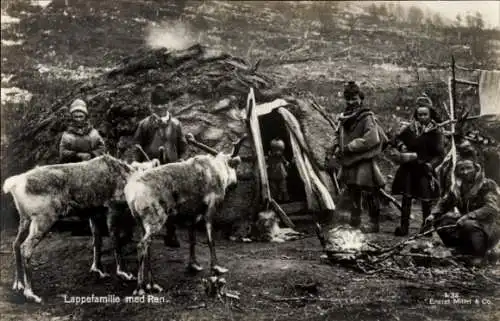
[158, 95]
[351, 91]
[78, 105]
[466, 151]
[424, 101]
[464, 158]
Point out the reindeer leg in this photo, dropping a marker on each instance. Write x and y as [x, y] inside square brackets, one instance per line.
[319, 232]
[97, 248]
[39, 226]
[114, 233]
[211, 245]
[151, 285]
[193, 265]
[153, 218]
[142, 249]
[22, 232]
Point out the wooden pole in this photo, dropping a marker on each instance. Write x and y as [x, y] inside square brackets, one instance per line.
[453, 86]
[452, 94]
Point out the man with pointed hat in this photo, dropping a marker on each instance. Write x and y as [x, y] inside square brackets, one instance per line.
[360, 141]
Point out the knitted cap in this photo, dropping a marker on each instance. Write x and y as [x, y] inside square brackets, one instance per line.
[78, 105]
[351, 91]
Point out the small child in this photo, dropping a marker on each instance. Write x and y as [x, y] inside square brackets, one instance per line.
[277, 171]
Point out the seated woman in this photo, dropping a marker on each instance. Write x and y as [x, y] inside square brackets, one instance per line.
[477, 199]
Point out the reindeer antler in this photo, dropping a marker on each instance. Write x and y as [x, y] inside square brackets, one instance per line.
[237, 145]
[190, 138]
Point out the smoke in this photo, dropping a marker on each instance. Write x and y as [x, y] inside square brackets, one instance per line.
[171, 35]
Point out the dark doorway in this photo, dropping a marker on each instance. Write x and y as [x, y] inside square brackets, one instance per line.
[272, 126]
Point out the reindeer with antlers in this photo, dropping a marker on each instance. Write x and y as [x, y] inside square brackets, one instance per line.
[194, 188]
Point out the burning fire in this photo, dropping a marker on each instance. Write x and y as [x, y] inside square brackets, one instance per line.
[345, 239]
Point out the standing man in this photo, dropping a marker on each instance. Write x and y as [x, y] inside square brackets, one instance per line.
[161, 137]
[360, 141]
[416, 178]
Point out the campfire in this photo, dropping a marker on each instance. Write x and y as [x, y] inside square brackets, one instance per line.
[345, 243]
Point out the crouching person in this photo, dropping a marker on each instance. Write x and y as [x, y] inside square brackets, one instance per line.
[477, 199]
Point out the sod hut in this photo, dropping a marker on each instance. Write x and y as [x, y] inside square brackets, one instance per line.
[208, 92]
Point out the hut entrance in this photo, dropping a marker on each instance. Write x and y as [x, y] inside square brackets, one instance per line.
[306, 190]
[272, 126]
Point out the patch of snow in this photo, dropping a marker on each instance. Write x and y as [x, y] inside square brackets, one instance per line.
[7, 20]
[41, 3]
[140, 20]
[355, 10]
[9, 43]
[6, 78]
[15, 95]
[81, 73]
[389, 67]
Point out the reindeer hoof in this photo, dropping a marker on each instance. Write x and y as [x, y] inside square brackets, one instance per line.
[156, 288]
[153, 287]
[218, 270]
[125, 276]
[18, 286]
[102, 275]
[30, 296]
[194, 267]
[139, 292]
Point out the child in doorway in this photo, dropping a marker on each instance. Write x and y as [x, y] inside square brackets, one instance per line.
[277, 171]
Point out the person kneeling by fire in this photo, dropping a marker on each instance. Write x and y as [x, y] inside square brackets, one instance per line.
[477, 198]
